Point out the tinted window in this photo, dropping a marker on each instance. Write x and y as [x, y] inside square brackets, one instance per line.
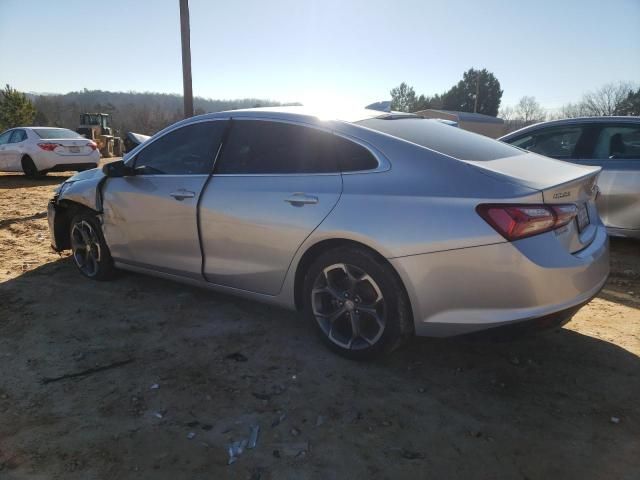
[48, 133]
[18, 136]
[559, 142]
[189, 150]
[259, 147]
[618, 141]
[442, 138]
[4, 138]
[353, 157]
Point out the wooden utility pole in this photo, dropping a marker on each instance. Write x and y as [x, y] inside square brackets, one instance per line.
[186, 58]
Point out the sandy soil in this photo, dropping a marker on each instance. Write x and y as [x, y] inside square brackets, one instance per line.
[559, 405]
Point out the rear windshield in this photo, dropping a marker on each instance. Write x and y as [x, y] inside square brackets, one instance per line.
[447, 139]
[56, 133]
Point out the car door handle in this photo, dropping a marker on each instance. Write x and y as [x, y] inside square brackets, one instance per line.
[299, 199]
[182, 194]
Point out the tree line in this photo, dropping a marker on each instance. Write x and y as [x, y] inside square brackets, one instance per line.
[479, 91]
[144, 113]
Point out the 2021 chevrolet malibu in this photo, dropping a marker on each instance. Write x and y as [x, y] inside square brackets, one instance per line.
[39, 150]
[377, 225]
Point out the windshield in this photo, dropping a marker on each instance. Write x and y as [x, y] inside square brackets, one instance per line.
[48, 133]
[442, 138]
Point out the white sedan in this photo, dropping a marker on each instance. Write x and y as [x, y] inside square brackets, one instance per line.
[39, 150]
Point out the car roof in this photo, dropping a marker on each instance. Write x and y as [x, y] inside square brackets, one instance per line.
[571, 121]
[300, 112]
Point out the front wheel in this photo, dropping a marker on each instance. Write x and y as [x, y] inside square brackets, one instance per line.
[357, 303]
[89, 249]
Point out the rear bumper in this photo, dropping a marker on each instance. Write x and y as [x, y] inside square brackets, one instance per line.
[52, 162]
[474, 289]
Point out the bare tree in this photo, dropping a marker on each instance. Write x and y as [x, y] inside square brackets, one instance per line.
[528, 110]
[573, 110]
[606, 100]
[507, 114]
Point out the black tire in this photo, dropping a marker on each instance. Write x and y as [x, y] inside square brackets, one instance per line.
[378, 306]
[89, 250]
[29, 168]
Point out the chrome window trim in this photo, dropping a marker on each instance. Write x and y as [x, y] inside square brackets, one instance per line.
[383, 163]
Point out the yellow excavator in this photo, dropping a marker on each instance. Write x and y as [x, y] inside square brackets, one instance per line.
[97, 127]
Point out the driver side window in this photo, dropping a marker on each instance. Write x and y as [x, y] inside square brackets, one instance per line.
[189, 150]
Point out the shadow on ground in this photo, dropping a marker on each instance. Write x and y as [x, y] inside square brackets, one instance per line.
[558, 405]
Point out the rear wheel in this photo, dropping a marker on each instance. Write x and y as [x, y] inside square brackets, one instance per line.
[89, 249]
[29, 168]
[357, 303]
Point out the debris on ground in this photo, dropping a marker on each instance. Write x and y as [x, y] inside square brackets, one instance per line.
[235, 449]
[294, 431]
[320, 420]
[155, 386]
[279, 420]
[615, 420]
[237, 356]
[88, 371]
[290, 449]
[253, 436]
[191, 435]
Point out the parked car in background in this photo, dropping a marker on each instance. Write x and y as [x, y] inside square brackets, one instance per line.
[377, 226]
[39, 150]
[612, 143]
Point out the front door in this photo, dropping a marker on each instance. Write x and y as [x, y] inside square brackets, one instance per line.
[273, 185]
[4, 139]
[150, 218]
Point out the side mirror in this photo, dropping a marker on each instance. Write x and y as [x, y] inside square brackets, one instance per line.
[117, 169]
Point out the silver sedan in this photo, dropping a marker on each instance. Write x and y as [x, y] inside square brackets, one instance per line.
[612, 143]
[377, 226]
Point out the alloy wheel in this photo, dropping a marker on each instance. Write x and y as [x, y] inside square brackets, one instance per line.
[349, 306]
[85, 246]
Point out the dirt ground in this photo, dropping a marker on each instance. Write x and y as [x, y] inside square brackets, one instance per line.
[559, 405]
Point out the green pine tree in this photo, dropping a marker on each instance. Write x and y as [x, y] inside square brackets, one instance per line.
[15, 109]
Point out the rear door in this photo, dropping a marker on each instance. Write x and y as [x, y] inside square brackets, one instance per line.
[150, 218]
[273, 185]
[616, 148]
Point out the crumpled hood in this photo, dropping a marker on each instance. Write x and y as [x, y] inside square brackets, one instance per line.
[94, 173]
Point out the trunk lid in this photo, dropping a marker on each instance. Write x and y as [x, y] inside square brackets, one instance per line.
[560, 183]
[68, 146]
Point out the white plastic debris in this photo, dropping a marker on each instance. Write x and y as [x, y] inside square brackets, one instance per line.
[253, 436]
[235, 449]
[615, 420]
[155, 386]
[191, 435]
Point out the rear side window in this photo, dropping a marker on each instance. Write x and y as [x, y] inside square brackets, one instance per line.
[442, 138]
[189, 150]
[618, 142]
[353, 157]
[56, 133]
[265, 147]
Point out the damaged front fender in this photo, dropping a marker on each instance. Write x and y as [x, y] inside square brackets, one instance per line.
[84, 189]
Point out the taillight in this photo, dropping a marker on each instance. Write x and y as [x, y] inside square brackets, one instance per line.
[92, 145]
[514, 222]
[49, 147]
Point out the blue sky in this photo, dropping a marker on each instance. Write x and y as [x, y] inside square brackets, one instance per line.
[353, 51]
